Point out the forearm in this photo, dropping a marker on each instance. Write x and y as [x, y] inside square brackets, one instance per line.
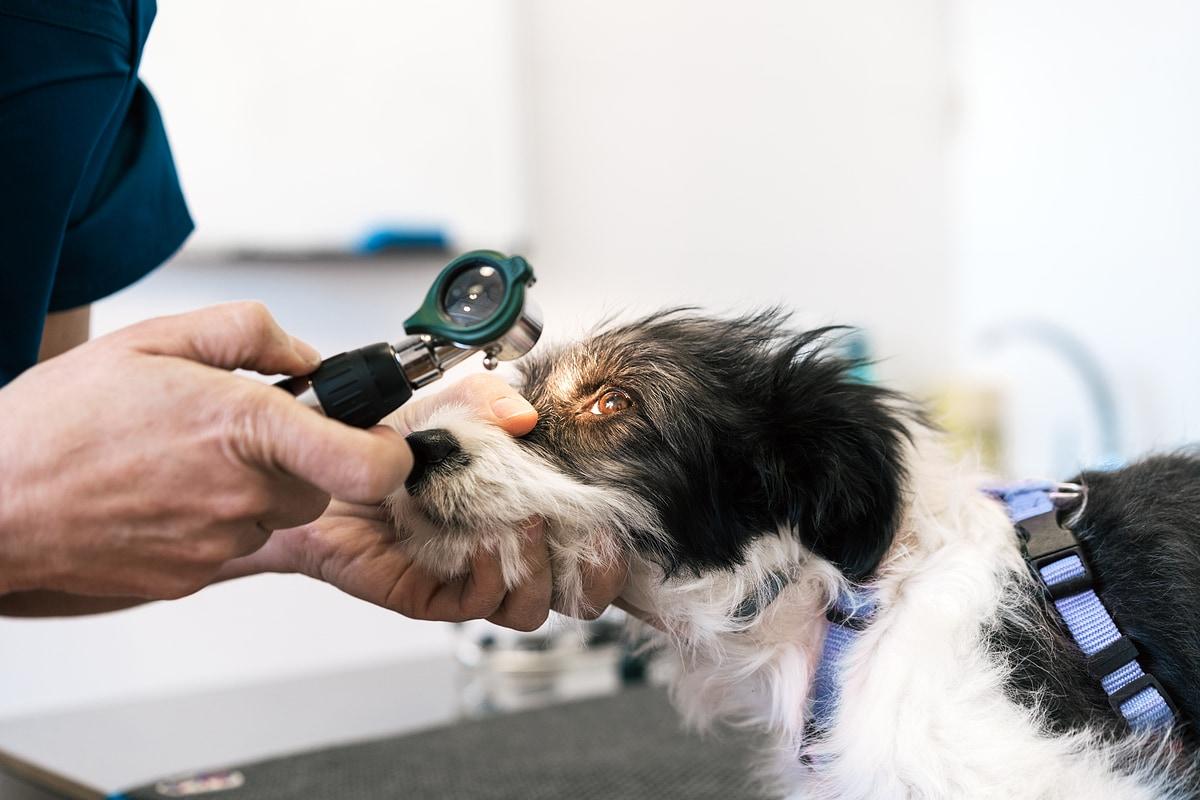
[20, 568]
[47, 603]
[64, 330]
[24, 575]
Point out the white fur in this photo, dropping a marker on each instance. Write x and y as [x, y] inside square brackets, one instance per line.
[505, 485]
[923, 712]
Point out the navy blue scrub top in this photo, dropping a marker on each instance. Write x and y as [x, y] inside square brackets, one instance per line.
[89, 198]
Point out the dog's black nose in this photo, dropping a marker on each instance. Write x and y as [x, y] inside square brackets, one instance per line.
[434, 450]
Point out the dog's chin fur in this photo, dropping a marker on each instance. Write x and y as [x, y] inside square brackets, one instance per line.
[483, 508]
[750, 452]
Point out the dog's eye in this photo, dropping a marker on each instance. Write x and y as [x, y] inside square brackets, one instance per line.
[614, 401]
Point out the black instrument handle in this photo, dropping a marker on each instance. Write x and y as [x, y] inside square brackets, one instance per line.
[358, 387]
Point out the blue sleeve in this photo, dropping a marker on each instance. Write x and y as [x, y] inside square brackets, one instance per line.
[89, 200]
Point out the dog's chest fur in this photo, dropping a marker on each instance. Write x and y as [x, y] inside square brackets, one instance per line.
[745, 452]
[944, 695]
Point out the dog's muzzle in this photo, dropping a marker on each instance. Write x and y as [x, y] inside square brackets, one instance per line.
[435, 451]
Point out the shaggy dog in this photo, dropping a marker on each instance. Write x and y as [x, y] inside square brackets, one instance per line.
[751, 481]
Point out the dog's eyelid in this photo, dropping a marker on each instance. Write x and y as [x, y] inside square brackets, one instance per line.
[594, 387]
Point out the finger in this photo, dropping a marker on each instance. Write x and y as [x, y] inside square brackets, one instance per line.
[601, 585]
[294, 502]
[513, 413]
[359, 466]
[527, 606]
[489, 397]
[477, 596]
[638, 613]
[273, 556]
[240, 335]
[247, 539]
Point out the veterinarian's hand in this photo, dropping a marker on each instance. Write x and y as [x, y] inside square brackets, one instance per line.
[136, 464]
[354, 546]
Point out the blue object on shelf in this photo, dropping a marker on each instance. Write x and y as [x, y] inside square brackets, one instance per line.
[383, 240]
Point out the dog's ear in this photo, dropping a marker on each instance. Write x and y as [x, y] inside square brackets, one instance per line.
[834, 467]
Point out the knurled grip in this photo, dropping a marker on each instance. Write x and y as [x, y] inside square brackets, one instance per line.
[362, 386]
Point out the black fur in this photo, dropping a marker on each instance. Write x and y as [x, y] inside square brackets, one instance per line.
[742, 427]
[739, 428]
[1047, 669]
[1140, 530]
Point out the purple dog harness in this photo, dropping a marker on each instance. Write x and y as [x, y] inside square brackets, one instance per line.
[1056, 558]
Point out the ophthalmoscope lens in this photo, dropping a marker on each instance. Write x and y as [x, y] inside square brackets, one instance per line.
[474, 295]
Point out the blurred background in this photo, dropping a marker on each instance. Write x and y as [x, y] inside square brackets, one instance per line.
[1002, 195]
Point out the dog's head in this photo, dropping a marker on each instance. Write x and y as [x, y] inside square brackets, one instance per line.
[681, 437]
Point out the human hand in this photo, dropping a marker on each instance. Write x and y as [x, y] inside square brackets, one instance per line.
[354, 546]
[136, 464]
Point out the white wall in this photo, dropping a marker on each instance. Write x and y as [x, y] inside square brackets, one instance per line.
[303, 123]
[1077, 190]
[679, 152]
[695, 151]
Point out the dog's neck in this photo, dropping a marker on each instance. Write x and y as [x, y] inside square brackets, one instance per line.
[921, 709]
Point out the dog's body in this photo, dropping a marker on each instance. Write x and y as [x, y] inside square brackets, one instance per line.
[718, 456]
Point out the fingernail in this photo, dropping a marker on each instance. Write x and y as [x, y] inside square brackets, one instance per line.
[307, 352]
[509, 407]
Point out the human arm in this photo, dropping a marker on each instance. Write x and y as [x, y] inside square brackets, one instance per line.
[64, 330]
[136, 464]
[352, 547]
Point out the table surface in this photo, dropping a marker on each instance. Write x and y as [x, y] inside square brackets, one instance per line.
[628, 746]
[112, 747]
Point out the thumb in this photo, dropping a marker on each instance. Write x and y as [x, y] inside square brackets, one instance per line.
[489, 397]
[358, 466]
[240, 335]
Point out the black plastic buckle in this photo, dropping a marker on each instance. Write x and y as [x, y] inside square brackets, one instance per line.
[1042, 534]
[1112, 657]
[1131, 689]
[1069, 587]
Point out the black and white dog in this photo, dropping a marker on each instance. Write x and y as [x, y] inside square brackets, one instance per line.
[751, 481]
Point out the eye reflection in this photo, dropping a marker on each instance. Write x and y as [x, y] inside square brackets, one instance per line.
[613, 401]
